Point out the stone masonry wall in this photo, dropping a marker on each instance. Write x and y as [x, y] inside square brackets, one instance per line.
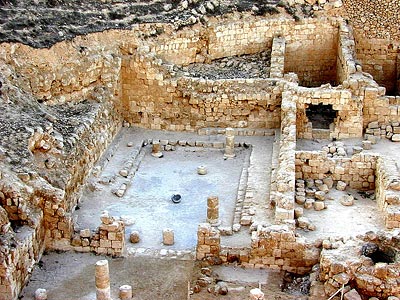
[274, 247]
[24, 199]
[380, 108]
[348, 122]
[357, 171]
[379, 57]
[388, 191]
[152, 99]
[63, 153]
[283, 196]
[311, 44]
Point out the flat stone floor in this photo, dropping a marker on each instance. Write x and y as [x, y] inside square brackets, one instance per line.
[147, 203]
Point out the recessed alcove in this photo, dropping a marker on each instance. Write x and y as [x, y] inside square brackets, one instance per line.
[321, 116]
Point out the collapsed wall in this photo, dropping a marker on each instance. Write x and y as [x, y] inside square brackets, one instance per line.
[82, 90]
[67, 118]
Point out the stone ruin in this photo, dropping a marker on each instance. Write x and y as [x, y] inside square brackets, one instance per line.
[316, 70]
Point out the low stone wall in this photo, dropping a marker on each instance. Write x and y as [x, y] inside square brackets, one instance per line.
[107, 239]
[277, 247]
[376, 131]
[358, 171]
[380, 108]
[388, 191]
[283, 191]
[274, 247]
[208, 242]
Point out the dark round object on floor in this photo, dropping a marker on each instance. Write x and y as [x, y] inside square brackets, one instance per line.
[176, 198]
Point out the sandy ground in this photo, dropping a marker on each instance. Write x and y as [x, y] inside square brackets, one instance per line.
[70, 276]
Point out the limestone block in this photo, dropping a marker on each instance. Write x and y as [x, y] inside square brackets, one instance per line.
[305, 223]
[352, 295]
[41, 294]
[121, 190]
[367, 145]
[310, 192]
[256, 294]
[105, 218]
[319, 205]
[324, 188]
[168, 237]
[134, 237]
[300, 200]
[320, 195]
[125, 292]
[342, 278]
[396, 137]
[347, 200]
[328, 181]
[85, 233]
[298, 212]
[341, 186]
[309, 203]
[123, 173]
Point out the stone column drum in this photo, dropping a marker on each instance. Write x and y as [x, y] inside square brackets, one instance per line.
[213, 210]
[102, 280]
[156, 149]
[168, 237]
[125, 292]
[229, 143]
[256, 294]
[41, 294]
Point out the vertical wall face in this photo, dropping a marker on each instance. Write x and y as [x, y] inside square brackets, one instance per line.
[379, 57]
[312, 54]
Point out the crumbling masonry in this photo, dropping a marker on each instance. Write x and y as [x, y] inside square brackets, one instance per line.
[139, 78]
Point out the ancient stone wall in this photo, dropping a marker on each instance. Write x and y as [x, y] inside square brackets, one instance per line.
[311, 45]
[24, 199]
[380, 58]
[380, 108]
[63, 149]
[107, 239]
[277, 247]
[282, 193]
[154, 100]
[357, 171]
[274, 247]
[388, 191]
[66, 72]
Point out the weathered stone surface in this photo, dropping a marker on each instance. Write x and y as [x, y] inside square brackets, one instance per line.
[134, 237]
[319, 205]
[341, 186]
[347, 200]
[352, 295]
